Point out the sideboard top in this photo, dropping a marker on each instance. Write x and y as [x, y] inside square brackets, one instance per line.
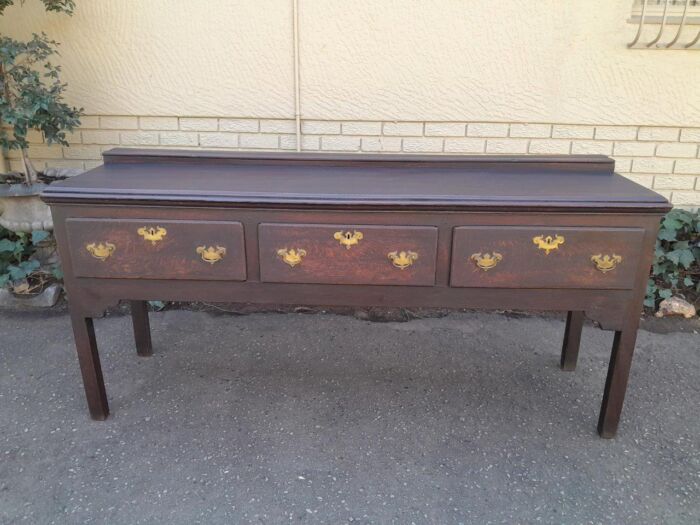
[303, 179]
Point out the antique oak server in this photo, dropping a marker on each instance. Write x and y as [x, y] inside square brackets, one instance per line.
[544, 233]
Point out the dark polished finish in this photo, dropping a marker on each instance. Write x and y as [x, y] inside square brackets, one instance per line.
[572, 340]
[327, 261]
[142, 328]
[90, 367]
[542, 233]
[173, 257]
[523, 265]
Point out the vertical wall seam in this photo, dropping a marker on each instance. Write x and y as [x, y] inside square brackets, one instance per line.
[297, 83]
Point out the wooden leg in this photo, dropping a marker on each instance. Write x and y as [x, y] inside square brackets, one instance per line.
[90, 368]
[616, 381]
[142, 328]
[572, 340]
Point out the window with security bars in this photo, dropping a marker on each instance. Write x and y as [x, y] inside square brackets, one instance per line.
[677, 21]
[654, 10]
[671, 2]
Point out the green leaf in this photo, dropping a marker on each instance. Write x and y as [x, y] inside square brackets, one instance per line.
[674, 256]
[30, 265]
[39, 235]
[687, 281]
[665, 293]
[6, 245]
[57, 272]
[17, 273]
[157, 305]
[685, 257]
[667, 234]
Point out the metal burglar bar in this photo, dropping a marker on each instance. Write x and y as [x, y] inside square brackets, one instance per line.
[665, 13]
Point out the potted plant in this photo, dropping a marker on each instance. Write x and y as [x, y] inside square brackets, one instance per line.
[31, 98]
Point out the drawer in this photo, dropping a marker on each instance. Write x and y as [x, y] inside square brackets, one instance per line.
[348, 254]
[157, 249]
[545, 257]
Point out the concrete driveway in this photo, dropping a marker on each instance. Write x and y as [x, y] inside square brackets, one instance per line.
[276, 418]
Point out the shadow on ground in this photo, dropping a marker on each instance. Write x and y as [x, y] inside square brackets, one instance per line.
[270, 418]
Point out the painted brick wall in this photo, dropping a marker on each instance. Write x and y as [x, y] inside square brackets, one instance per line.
[666, 159]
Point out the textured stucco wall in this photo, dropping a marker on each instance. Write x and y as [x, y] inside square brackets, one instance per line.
[444, 60]
[439, 76]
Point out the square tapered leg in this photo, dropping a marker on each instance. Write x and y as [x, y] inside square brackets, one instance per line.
[616, 381]
[572, 340]
[90, 367]
[142, 328]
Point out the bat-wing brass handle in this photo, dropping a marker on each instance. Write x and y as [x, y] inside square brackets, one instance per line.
[101, 250]
[548, 243]
[348, 239]
[291, 257]
[152, 234]
[211, 254]
[606, 263]
[403, 259]
[486, 261]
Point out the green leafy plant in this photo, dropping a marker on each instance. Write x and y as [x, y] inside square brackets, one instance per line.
[59, 6]
[31, 93]
[31, 97]
[676, 268]
[19, 270]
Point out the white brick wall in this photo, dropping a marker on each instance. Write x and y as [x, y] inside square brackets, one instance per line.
[666, 159]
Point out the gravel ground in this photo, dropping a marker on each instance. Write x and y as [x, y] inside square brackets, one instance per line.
[275, 418]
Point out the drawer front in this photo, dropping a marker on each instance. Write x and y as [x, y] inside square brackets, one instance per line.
[545, 257]
[348, 254]
[157, 249]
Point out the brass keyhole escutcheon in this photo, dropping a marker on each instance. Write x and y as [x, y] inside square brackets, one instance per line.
[291, 257]
[402, 259]
[486, 261]
[211, 254]
[348, 239]
[548, 243]
[152, 234]
[101, 251]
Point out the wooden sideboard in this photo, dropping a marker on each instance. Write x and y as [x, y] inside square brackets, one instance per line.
[541, 233]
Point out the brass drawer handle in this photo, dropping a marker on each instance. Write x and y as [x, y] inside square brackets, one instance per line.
[402, 260]
[548, 243]
[348, 239]
[211, 254]
[291, 257]
[486, 261]
[101, 251]
[152, 234]
[606, 263]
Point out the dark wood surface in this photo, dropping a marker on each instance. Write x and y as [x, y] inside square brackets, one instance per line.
[442, 209]
[572, 340]
[142, 328]
[558, 181]
[328, 261]
[525, 265]
[173, 257]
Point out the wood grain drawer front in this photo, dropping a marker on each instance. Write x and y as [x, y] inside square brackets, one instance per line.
[348, 254]
[545, 257]
[157, 249]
